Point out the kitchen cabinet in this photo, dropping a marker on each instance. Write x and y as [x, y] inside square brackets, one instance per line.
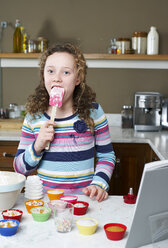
[130, 161]
[7, 153]
[8, 150]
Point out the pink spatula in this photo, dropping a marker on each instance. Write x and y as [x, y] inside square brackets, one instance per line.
[56, 96]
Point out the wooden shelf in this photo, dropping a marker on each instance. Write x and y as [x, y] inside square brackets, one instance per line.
[94, 60]
[96, 56]
[126, 57]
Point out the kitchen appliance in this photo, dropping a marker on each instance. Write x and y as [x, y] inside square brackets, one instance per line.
[165, 113]
[147, 111]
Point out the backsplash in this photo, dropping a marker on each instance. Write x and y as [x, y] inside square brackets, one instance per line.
[114, 119]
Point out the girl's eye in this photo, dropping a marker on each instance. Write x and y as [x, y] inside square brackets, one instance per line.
[66, 72]
[50, 71]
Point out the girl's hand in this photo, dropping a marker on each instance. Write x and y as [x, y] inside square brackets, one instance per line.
[46, 134]
[94, 190]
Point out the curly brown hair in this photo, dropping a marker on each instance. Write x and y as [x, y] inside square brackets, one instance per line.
[83, 96]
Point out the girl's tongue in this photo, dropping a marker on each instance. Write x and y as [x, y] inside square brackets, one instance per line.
[56, 96]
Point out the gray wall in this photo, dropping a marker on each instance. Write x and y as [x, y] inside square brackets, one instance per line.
[90, 24]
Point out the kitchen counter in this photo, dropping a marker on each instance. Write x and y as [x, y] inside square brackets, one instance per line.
[44, 234]
[157, 140]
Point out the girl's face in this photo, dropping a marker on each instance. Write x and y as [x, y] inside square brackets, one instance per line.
[60, 70]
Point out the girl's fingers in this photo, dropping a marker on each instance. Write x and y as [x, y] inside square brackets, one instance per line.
[103, 197]
[86, 191]
[93, 191]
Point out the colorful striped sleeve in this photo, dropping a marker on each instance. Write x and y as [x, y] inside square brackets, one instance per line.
[26, 159]
[105, 156]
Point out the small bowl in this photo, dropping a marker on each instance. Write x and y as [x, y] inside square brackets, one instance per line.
[69, 198]
[79, 209]
[54, 194]
[40, 213]
[14, 214]
[87, 226]
[115, 231]
[9, 231]
[32, 204]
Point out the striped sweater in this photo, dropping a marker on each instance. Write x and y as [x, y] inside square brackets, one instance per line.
[69, 163]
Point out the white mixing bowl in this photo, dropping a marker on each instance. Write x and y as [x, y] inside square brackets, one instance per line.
[11, 184]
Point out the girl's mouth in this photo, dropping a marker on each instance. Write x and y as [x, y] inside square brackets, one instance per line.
[55, 86]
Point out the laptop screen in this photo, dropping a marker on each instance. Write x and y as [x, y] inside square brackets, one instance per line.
[152, 200]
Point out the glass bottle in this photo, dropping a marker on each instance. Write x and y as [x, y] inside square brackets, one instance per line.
[30, 46]
[127, 116]
[113, 47]
[24, 41]
[17, 38]
[12, 107]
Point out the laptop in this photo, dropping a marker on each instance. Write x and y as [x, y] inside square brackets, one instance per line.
[152, 200]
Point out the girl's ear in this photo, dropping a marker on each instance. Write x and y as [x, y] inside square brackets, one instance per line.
[78, 81]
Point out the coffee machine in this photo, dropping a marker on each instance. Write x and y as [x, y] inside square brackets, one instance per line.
[165, 113]
[147, 111]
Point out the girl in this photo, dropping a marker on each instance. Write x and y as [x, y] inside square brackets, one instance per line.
[79, 135]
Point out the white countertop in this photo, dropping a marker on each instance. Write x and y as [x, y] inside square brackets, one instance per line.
[157, 140]
[44, 234]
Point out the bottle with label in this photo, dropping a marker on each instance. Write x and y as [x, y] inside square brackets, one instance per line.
[153, 41]
[17, 38]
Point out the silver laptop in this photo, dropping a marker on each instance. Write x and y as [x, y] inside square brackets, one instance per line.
[152, 200]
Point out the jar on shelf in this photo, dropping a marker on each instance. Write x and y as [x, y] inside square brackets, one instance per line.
[123, 44]
[127, 116]
[12, 108]
[41, 44]
[32, 46]
[4, 113]
[139, 42]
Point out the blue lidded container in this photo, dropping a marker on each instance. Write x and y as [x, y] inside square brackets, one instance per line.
[9, 231]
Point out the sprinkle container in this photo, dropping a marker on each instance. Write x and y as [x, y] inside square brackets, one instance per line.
[40, 213]
[115, 231]
[8, 227]
[54, 194]
[32, 204]
[63, 216]
[80, 207]
[15, 214]
[69, 198]
[87, 226]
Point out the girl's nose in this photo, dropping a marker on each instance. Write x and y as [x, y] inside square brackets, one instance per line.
[57, 78]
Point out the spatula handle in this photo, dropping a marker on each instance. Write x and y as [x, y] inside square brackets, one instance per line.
[53, 114]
